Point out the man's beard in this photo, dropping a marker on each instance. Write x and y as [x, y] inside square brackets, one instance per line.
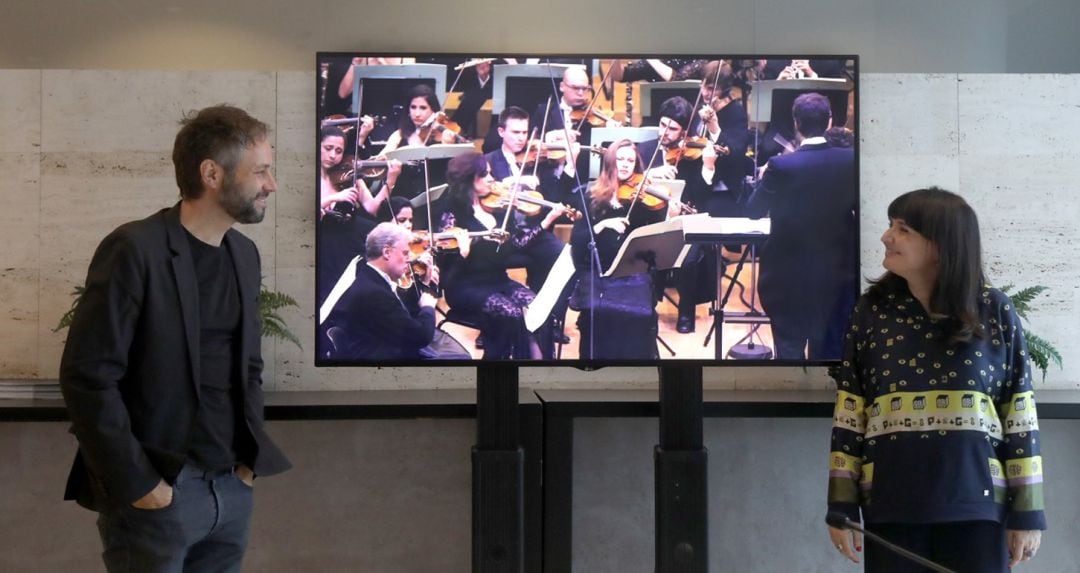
[240, 208]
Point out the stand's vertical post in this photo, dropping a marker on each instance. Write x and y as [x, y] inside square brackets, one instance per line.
[681, 474]
[498, 473]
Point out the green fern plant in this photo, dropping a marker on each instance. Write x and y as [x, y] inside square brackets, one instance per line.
[1040, 351]
[270, 302]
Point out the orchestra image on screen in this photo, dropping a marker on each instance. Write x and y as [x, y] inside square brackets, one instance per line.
[596, 210]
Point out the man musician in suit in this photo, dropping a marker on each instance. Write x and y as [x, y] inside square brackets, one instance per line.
[808, 265]
[162, 370]
[378, 322]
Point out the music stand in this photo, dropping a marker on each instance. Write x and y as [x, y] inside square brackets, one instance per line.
[718, 231]
[436, 193]
[408, 153]
[435, 73]
[652, 94]
[541, 74]
[655, 247]
[606, 135]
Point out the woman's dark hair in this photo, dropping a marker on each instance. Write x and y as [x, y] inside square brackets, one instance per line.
[461, 173]
[405, 124]
[331, 131]
[947, 221]
[389, 211]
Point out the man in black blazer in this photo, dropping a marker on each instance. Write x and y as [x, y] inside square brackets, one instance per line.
[377, 324]
[809, 263]
[162, 370]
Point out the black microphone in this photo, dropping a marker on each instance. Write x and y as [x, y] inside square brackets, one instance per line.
[841, 521]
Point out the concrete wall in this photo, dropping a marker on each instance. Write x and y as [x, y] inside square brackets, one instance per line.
[394, 496]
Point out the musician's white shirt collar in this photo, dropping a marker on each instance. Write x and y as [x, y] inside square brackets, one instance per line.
[813, 141]
[385, 277]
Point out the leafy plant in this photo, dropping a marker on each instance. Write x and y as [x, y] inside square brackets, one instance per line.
[1040, 350]
[269, 303]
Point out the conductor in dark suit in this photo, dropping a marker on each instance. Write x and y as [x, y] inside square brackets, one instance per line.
[808, 265]
[377, 323]
[162, 371]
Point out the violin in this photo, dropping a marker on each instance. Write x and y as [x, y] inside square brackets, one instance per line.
[547, 152]
[417, 274]
[342, 174]
[437, 124]
[528, 201]
[447, 240]
[652, 197]
[632, 188]
[595, 117]
[692, 148]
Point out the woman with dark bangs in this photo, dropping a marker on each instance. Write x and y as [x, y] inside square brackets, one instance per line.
[474, 277]
[935, 438]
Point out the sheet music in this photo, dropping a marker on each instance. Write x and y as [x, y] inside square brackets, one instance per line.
[344, 282]
[664, 240]
[436, 151]
[718, 229]
[537, 313]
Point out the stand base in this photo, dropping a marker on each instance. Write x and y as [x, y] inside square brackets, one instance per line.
[681, 510]
[747, 352]
[498, 536]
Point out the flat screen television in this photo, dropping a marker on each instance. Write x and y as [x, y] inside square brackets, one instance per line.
[585, 210]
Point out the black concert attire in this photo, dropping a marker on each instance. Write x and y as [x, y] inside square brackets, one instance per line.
[478, 287]
[377, 323]
[617, 319]
[342, 232]
[681, 69]
[808, 264]
[474, 93]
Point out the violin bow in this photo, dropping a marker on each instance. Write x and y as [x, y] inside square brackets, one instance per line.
[592, 100]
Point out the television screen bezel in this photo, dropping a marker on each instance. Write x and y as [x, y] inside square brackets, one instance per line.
[587, 364]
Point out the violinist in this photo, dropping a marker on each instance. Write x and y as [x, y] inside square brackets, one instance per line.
[540, 254]
[722, 119]
[474, 277]
[476, 88]
[695, 278]
[512, 159]
[567, 110]
[617, 317]
[376, 321]
[417, 127]
[345, 210]
[333, 175]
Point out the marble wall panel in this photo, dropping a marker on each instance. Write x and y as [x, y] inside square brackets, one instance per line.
[20, 196]
[908, 114]
[20, 110]
[1019, 114]
[18, 323]
[114, 110]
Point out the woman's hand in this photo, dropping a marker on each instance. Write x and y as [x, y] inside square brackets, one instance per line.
[1023, 545]
[617, 224]
[847, 543]
[464, 242]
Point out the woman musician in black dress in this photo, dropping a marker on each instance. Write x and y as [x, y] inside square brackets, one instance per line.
[617, 319]
[474, 277]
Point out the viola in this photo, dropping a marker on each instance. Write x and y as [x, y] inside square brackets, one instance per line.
[528, 201]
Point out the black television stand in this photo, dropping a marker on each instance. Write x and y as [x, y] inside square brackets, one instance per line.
[497, 473]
